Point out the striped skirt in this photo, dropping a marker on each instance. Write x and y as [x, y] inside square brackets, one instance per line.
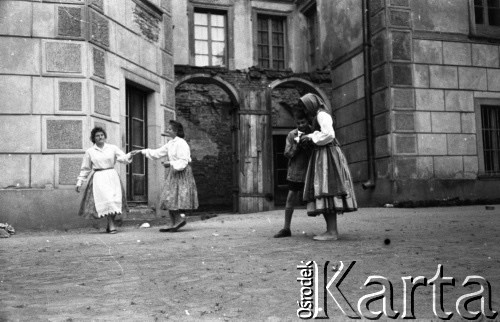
[179, 191]
[328, 184]
[88, 208]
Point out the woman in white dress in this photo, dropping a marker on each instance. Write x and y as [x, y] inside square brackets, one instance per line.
[179, 191]
[104, 195]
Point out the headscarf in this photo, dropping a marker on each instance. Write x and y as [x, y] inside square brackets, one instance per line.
[313, 103]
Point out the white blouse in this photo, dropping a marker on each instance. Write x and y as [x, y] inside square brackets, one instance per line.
[327, 134]
[177, 152]
[105, 158]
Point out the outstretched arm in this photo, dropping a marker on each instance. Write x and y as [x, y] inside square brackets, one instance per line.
[154, 154]
[122, 157]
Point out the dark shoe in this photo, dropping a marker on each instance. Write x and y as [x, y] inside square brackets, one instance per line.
[179, 225]
[111, 231]
[283, 233]
[166, 230]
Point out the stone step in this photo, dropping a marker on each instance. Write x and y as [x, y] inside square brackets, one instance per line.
[140, 213]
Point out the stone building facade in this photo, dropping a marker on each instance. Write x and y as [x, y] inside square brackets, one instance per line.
[411, 85]
[240, 67]
[434, 97]
[414, 87]
[65, 67]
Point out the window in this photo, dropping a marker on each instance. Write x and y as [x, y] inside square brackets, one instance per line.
[490, 117]
[488, 136]
[271, 37]
[210, 38]
[486, 18]
[312, 19]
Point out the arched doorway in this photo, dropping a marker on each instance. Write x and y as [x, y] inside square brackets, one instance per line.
[282, 98]
[207, 107]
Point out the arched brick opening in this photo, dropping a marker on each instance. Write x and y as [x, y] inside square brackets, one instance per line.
[281, 97]
[207, 106]
[302, 83]
[203, 78]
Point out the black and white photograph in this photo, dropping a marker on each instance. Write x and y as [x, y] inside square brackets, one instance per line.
[249, 160]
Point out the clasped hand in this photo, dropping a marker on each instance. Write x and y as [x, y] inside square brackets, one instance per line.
[166, 164]
[305, 138]
[134, 152]
[305, 142]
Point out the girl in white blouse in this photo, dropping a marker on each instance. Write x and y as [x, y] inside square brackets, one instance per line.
[104, 195]
[179, 191]
[328, 186]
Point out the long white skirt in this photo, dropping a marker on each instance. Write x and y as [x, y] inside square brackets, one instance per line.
[107, 192]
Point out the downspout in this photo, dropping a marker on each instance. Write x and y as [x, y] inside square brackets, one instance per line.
[370, 145]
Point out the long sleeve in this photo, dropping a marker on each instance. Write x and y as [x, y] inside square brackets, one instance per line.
[156, 153]
[85, 169]
[122, 157]
[182, 156]
[327, 134]
[291, 146]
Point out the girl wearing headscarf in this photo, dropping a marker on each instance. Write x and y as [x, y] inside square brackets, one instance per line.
[328, 186]
[179, 192]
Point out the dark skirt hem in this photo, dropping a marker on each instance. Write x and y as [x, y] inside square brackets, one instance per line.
[338, 211]
[328, 185]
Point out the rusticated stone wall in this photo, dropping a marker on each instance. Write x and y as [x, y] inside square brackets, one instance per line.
[64, 69]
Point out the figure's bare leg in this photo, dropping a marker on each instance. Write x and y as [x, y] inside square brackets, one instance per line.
[111, 223]
[331, 227]
[291, 201]
[180, 222]
[172, 214]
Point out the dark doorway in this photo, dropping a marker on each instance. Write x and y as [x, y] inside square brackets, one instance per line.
[280, 167]
[283, 101]
[137, 179]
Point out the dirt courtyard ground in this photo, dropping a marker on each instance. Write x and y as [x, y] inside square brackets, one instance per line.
[230, 268]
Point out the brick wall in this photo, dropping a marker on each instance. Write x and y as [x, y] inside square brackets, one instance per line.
[205, 110]
[206, 113]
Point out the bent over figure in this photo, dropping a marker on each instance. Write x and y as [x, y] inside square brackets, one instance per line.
[328, 186]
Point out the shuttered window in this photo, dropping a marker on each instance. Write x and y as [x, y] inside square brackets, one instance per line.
[490, 120]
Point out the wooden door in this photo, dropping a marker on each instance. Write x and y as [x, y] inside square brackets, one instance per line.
[255, 154]
[137, 179]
